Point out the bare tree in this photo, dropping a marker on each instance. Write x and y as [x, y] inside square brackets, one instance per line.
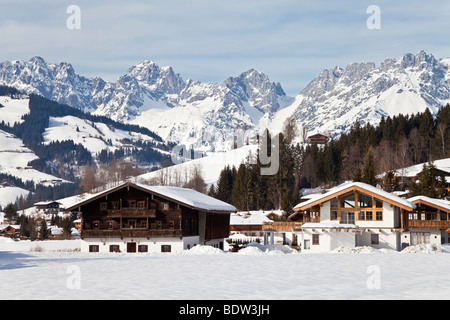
[440, 132]
[304, 133]
[196, 179]
[290, 130]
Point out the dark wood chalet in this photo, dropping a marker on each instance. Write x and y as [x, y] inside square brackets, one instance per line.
[317, 139]
[135, 217]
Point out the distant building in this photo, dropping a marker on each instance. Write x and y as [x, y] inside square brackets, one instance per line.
[317, 139]
[48, 207]
[249, 223]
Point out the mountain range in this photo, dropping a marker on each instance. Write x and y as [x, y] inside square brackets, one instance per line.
[206, 115]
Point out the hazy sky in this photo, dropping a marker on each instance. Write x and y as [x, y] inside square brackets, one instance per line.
[208, 40]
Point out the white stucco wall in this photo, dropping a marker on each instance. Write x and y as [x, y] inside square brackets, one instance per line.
[154, 245]
[328, 240]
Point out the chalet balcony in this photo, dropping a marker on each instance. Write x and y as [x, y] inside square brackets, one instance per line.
[429, 224]
[132, 213]
[281, 226]
[131, 233]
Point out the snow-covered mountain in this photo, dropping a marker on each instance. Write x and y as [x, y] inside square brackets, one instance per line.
[206, 115]
[336, 98]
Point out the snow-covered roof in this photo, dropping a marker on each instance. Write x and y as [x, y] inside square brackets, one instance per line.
[249, 218]
[412, 171]
[444, 204]
[361, 186]
[188, 197]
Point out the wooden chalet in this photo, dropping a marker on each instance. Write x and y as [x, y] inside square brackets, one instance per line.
[429, 223]
[350, 215]
[134, 217]
[317, 139]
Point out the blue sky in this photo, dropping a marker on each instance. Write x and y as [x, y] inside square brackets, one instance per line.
[208, 40]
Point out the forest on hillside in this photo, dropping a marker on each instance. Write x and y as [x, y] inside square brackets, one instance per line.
[360, 155]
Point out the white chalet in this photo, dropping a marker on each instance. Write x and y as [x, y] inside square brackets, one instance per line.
[350, 215]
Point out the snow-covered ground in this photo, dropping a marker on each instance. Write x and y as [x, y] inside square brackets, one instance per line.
[32, 270]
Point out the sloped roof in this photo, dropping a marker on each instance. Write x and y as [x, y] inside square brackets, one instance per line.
[360, 186]
[184, 196]
[440, 204]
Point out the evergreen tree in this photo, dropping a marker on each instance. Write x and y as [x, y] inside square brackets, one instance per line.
[430, 183]
[43, 231]
[368, 171]
[225, 185]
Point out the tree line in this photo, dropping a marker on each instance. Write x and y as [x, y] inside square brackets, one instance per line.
[361, 154]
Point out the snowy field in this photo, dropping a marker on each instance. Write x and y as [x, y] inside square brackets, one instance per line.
[34, 270]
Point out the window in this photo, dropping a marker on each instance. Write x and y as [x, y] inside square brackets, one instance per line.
[307, 244]
[166, 248]
[379, 203]
[165, 206]
[361, 215]
[344, 217]
[141, 204]
[374, 239]
[158, 224]
[171, 225]
[103, 206]
[348, 201]
[96, 224]
[413, 216]
[369, 215]
[114, 248]
[315, 239]
[379, 215]
[351, 217]
[131, 203]
[334, 215]
[144, 224]
[364, 201]
[347, 217]
[143, 248]
[110, 225]
[115, 205]
[334, 203]
[94, 248]
[420, 238]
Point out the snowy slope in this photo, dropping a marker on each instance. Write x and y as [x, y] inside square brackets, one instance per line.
[210, 165]
[14, 159]
[10, 194]
[94, 136]
[13, 109]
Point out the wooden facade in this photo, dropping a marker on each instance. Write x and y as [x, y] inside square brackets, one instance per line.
[318, 139]
[133, 211]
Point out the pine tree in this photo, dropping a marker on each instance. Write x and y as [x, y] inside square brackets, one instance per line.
[431, 184]
[368, 171]
[43, 231]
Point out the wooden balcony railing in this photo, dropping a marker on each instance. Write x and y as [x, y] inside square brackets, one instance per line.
[281, 226]
[132, 213]
[429, 224]
[131, 233]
